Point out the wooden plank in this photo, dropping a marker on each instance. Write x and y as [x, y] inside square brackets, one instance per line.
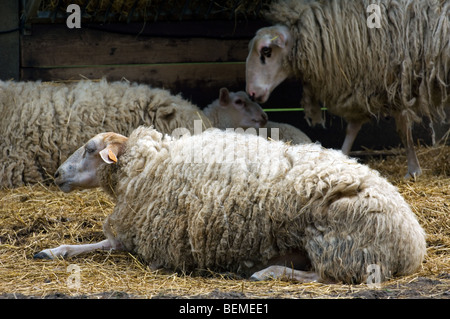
[200, 82]
[218, 29]
[57, 45]
[155, 74]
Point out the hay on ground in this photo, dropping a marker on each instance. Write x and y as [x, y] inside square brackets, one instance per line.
[36, 217]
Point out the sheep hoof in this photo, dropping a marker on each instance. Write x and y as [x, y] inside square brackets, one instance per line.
[42, 255]
[413, 175]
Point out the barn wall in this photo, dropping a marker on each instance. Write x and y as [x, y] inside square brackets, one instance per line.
[195, 66]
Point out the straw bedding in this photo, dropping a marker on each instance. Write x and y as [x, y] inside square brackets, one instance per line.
[37, 217]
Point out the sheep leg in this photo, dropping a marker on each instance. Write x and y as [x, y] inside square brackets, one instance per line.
[285, 273]
[404, 129]
[73, 250]
[351, 133]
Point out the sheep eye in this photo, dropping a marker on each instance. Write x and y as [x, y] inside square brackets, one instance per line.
[238, 102]
[89, 150]
[266, 52]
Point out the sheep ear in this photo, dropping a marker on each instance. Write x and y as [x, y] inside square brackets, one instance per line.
[224, 97]
[278, 38]
[108, 156]
[114, 147]
[282, 36]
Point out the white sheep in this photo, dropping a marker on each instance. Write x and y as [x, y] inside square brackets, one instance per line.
[229, 107]
[43, 123]
[357, 70]
[237, 202]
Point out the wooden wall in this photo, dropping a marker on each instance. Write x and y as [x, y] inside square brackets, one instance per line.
[193, 58]
[195, 66]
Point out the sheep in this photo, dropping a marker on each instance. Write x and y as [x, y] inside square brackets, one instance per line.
[357, 70]
[240, 203]
[227, 109]
[43, 123]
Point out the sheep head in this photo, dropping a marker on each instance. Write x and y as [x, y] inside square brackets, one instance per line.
[265, 65]
[79, 171]
[242, 110]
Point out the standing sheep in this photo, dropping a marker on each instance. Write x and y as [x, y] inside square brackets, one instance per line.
[228, 108]
[43, 123]
[357, 70]
[236, 202]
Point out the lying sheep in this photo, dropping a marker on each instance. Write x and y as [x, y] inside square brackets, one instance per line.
[43, 123]
[228, 108]
[357, 70]
[236, 202]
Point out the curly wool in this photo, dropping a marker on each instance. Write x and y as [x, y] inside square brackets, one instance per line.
[213, 201]
[43, 123]
[357, 71]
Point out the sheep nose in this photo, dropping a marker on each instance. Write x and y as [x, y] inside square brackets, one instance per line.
[252, 96]
[57, 174]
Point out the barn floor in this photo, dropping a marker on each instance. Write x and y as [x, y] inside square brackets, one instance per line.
[36, 217]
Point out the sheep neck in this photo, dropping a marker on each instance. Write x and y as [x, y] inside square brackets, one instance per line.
[108, 176]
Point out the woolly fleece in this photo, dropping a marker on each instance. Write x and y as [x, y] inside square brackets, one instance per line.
[223, 201]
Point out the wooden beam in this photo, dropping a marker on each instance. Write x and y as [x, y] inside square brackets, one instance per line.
[56, 45]
[160, 74]
[9, 40]
[200, 81]
[217, 29]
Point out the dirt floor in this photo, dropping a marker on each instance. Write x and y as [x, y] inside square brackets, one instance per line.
[36, 217]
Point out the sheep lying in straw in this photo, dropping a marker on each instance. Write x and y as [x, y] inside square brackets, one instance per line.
[359, 71]
[225, 111]
[43, 123]
[236, 202]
